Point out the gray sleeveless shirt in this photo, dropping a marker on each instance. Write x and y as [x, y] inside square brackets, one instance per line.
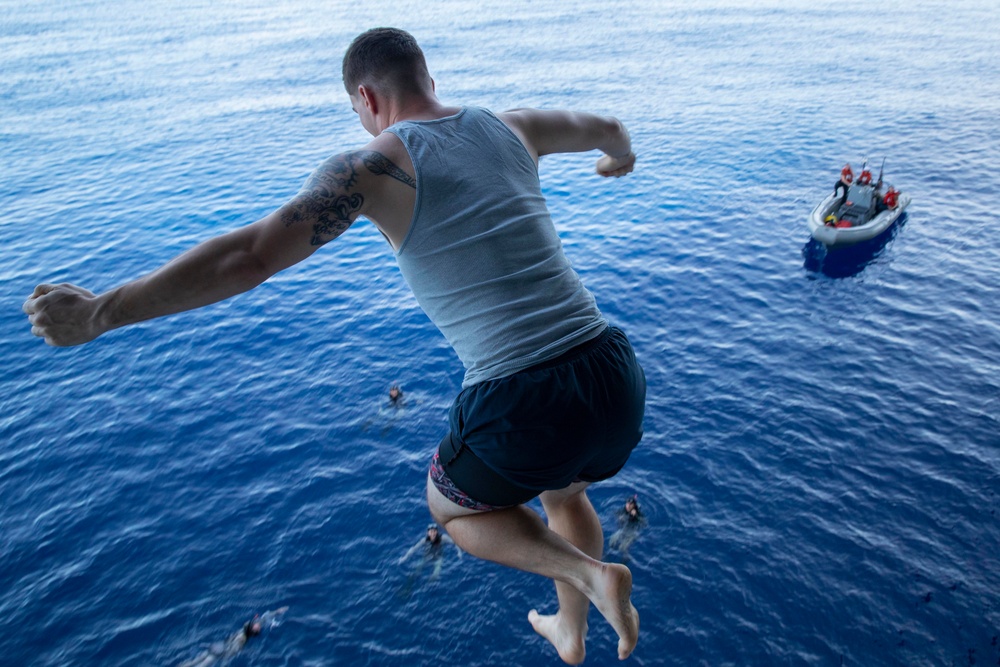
[482, 255]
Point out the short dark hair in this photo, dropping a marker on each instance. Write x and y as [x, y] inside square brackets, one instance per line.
[386, 59]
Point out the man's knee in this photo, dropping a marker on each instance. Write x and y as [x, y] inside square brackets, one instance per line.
[573, 497]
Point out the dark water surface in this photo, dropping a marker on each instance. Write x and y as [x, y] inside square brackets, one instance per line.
[822, 458]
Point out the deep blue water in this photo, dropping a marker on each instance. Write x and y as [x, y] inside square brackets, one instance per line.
[822, 454]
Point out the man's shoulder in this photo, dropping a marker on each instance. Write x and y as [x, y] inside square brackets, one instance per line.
[386, 143]
[351, 168]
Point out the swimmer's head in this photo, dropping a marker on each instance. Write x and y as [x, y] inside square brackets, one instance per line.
[395, 393]
[252, 627]
[433, 532]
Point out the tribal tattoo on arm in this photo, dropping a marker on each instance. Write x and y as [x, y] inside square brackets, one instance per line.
[326, 199]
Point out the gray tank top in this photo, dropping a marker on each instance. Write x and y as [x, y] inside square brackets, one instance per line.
[482, 255]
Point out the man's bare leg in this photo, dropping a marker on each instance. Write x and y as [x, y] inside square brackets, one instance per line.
[517, 537]
[570, 515]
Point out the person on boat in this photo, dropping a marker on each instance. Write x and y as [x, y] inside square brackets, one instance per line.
[891, 199]
[866, 177]
[846, 178]
[887, 202]
[523, 328]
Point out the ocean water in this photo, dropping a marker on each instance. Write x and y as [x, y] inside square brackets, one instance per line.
[822, 454]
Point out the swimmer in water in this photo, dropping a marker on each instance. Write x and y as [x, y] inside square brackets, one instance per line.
[630, 521]
[389, 411]
[432, 545]
[631, 512]
[224, 650]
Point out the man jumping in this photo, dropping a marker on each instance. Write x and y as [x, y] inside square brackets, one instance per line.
[552, 399]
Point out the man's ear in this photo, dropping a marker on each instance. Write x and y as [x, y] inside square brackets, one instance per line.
[367, 96]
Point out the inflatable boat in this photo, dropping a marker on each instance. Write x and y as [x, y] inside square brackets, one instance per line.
[856, 212]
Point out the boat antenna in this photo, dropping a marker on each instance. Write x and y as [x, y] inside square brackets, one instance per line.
[878, 186]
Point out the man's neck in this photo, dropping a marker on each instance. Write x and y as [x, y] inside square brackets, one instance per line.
[419, 108]
[381, 111]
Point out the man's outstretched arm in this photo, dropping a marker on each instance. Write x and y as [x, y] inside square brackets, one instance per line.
[214, 270]
[545, 132]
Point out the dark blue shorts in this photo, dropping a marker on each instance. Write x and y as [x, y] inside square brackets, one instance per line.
[575, 418]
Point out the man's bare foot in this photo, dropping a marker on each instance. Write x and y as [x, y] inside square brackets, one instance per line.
[612, 597]
[568, 643]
